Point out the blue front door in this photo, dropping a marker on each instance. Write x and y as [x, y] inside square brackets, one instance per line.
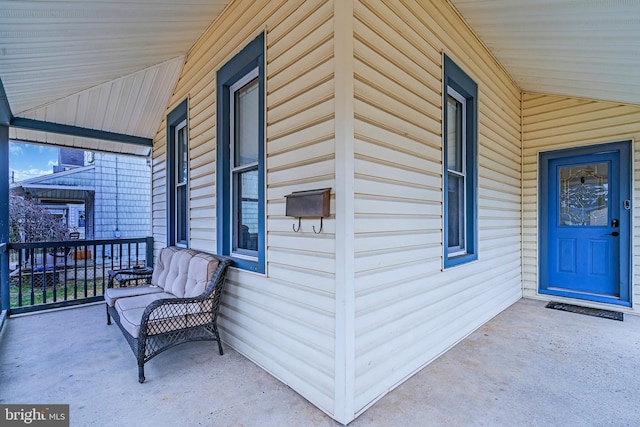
[585, 223]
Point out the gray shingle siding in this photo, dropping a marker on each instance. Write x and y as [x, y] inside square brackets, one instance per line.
[123, 196]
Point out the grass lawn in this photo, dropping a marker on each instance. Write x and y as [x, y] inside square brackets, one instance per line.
[46, 295]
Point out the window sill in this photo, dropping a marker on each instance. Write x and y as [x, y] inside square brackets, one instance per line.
[459, 260]
[247, 264]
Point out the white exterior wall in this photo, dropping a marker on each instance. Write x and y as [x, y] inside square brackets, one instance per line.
[354, 102]
[409, 309]
[283, 320]
[556, 122]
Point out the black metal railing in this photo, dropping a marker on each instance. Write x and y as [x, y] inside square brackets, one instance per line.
[49, 275]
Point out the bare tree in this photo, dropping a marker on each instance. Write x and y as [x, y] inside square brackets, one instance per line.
[31, 222]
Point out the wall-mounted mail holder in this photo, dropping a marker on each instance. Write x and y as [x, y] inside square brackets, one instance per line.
[309, 204]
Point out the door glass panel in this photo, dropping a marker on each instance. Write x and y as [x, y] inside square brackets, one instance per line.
[584, 195]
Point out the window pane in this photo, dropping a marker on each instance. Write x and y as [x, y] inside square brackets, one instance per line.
[246, 124]
[454, 134]
[455, 212]
[181, 214]
[182, 154]
[246, 210]
[584, 195]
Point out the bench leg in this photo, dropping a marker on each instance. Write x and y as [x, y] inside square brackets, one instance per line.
[108, 316]
[220, 346]
[141, 374]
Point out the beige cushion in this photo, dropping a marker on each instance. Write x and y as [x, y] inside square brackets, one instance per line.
[177, 273]
[131, 310]
[176, 277]
[163, 319]
[161, 267]
[201, 269]
[140, 301]
[111, 295]
[131, 319]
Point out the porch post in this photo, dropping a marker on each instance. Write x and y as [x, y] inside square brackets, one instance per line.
[4, 216]
[345, 360]
[149, 246]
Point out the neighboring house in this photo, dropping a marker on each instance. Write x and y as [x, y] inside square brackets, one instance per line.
[459, 184]
[102, 196]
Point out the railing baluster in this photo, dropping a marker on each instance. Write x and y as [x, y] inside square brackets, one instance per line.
[19, 278]
[54, 297]
[45, 276]
[34, 254]
[67, 253]
[75, 273]
[95, 261]
[86, 259]
[39, 266]
[103, 276]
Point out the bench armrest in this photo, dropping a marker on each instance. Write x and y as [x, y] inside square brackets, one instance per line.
[123, 277]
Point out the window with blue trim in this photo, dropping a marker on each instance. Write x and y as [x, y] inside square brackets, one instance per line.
[241, 158]
[178, 177]
[460, 166]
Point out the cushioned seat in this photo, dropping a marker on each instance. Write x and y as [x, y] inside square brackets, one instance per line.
[180, 305]
[111, 295]
[140, 301]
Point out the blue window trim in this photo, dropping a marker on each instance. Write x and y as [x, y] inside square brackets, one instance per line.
[249, 58]
[174, 118]
[459, 81]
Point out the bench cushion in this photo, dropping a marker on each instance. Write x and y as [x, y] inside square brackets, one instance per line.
[131, 309]
[178, 273]
[111, 295]
[161, 267]
[140, 301]
[176, 277]
[201, 269]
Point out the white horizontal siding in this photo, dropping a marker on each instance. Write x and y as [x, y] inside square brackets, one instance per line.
[284, 320]
[408, 309]
[556, 122]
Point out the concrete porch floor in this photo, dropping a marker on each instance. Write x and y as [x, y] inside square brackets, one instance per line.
[530, 366]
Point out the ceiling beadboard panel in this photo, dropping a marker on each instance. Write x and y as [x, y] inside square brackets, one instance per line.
[586, 49]
[132, 105]
[51, 49]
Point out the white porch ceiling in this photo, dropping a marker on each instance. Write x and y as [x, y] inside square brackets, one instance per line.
[132, 105]
[580, 48]
[111, 65]
[65, 61]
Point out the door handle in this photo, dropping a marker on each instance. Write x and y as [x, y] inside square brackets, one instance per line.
[614, 234]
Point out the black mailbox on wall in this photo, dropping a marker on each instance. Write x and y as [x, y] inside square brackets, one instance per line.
[309, 204]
